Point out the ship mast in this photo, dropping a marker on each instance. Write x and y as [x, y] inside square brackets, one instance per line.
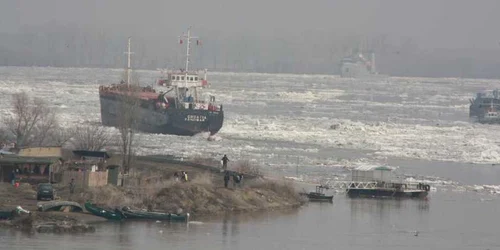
[128, 61]
[188, 47]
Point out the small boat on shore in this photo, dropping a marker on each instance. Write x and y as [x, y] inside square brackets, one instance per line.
[6, 215]
[106, 213]
[9, 214]
[319, 195]
[69, 206]
[150, 215]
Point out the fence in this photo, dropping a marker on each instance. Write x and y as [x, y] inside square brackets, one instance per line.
[84, 179]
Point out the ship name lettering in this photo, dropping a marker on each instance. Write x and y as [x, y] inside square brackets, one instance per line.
[195, 118]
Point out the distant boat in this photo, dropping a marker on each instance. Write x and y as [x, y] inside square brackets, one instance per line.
[359, 65]
[484, 108]
[319, 195]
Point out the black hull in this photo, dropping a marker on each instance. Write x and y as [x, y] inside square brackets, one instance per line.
[384, 193]
[315, 197]
[185, 122]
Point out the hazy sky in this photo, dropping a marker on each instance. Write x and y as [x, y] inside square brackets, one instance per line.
[430, 23]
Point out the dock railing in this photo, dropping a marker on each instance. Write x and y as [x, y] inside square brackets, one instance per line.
[346, 185]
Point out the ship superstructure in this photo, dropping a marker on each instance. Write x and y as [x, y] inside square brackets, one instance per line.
[358, 65]
[484, 108]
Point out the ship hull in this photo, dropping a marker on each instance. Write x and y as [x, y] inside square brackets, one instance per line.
[385, 193]
[185, 122]
[479, 113]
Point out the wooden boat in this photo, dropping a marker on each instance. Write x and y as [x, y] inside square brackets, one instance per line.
[108, 214]
[146, 215]
[319, 195]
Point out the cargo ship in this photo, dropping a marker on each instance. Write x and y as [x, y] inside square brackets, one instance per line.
[484, 108]
[177, 106]
[359, 65]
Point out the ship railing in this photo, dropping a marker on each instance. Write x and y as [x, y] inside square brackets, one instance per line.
[352, 184]
[346, 185]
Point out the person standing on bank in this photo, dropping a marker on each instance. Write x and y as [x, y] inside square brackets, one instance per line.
[224, 160]
[72, 186]
[226, 179]
[13, 178]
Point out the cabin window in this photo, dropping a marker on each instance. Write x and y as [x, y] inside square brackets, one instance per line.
[196, 78]
[191, 79]
[182, 77]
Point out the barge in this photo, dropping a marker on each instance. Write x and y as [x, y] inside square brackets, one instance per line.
[378, 182]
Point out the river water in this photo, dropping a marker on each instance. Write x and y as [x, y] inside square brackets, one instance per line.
[308, 125]
[447, 220]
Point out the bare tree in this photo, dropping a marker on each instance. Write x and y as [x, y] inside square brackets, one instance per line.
[90, 137]
[60, 136]
[5, 137]
[128, 114]
[45, 129]
[31, 120]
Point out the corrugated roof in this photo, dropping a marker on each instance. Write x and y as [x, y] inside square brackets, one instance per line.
[16, 159]
[99, 154]
[373, 167]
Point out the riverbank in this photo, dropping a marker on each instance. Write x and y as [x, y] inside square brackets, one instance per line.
[199, 196]
[152, 185]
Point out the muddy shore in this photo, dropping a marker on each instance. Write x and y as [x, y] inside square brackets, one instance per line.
[152, 185]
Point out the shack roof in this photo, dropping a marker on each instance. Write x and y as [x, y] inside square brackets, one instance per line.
[87, 153]
[16, 159]
[374, 167]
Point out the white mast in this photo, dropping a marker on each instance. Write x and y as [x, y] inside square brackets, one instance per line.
[128, 61]
[188, 47]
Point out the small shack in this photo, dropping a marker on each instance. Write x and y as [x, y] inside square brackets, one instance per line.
[95, 159]
[87, 169]
[29, 167]
[371, 173]
[114, 177]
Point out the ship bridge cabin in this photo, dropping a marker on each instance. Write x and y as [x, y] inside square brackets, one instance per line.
[186, 90]
[183, 80]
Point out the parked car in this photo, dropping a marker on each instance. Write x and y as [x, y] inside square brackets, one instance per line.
[45, 190]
